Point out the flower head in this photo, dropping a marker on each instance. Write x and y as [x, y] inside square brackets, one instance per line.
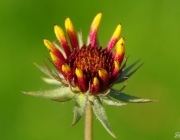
[87, 72]
[87, 67]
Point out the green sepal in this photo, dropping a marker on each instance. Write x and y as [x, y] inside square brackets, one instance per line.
[126, 76]
[128, 98]
[129, 67]
[43, 69]
[46, 70]
[80, 39]
[100, 113]
[107, 100]
[60, 94]
[51, 81]
[65, 98]
[79, 107]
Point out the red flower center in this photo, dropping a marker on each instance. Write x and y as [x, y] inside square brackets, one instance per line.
[90, 60]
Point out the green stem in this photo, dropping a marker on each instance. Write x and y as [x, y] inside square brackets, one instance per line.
[88, 122]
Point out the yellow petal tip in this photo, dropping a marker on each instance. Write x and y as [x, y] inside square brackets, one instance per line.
[79, 73]
[59, 33]
[95, 81]
[66, 68]
[116, 65]
[53, 57]
[69, 25]
[96, 21]
[117, 31]
[102, 73]
[120, 49]
[48, 44]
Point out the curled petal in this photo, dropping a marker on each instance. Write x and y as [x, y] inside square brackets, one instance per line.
[56, 61]
[62, 39]
[114, 38]
[119, 51]
[104, 77]
[81, 80]
[94, 28]
[116, 68]
[94, 86]
[51, 47]
[66, 68]
[71, 33]
[66, 71]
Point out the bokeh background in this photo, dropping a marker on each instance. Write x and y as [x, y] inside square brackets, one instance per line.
[152, 31]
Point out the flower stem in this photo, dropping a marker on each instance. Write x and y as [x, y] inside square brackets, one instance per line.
[88, 122]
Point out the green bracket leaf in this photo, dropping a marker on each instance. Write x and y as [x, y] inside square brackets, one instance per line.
[80, 39]
[125, 77]
[79, 107]
[130, 67]
[128, 98]
[59, 94]
[43, 69]
[109, 101]
[51, 81]
[101, 115]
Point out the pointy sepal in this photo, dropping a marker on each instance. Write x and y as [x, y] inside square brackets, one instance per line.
[107, 100]
[46, 70]
[124, 77]
[130, 67]
[51, 81]
[65, 98]
[101, 115]
[43, 69]
[79, 107]
[80, 39]
[129, 98]
[58, 94]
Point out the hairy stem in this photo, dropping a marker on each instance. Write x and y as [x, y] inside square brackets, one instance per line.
[88, 122]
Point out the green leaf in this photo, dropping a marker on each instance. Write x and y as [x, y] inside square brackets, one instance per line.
[51, 81]
[80, 39]
[65, 98]
[125, 77]
[130, 67]
[128, 98]
[109, 101]
[60, 94]
[79, 107]
[43, 69]
[101, 115]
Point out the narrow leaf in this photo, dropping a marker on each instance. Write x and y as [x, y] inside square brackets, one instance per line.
[52, 73]
[80, 39]
[43, 69]
[130, 67]
[125, 77]
[79, 107]
[51, 81]
[54, 94]
[65, 98]
[109, 101]
[128, 98]
[101, 115]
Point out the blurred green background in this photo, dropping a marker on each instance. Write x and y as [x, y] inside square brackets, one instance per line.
[152, 31]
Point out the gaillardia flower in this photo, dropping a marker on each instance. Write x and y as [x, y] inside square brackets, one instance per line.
[87, 72]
